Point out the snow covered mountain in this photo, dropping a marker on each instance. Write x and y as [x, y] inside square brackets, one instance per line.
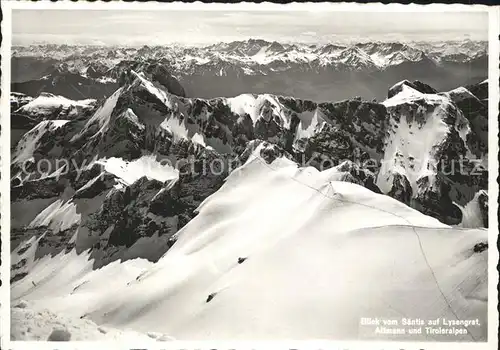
[49, 106]
[256, 66]
[254, 52]
[233, 272]
[185, 201]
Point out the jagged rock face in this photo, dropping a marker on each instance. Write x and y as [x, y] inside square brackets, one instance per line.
[96, 70]
[72, 85]
[429, 145]
[365, 121]
[417, 85]
[434, 198]
[155, 72]
[269, 152]
[225, 124]
[267, 127]
[475, 109]
[328, 148]
[401, 189]
[120, 200]
[128, 215]
[355, 131]
[479, 90]
[17, 100]
[122, 216]
[353, 172]
[424, 88]
[44, 149]
[483, 206]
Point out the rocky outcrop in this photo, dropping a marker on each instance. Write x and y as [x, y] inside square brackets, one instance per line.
[434, 198]
[354, 173]
[154, 71]
[401, 189]
[417, 85]
[434, 146]
[17, 100]
[483, 206]
[480, 90]
[475, 109]
[69, 84]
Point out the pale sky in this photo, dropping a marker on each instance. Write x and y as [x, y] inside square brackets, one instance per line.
[113, 27]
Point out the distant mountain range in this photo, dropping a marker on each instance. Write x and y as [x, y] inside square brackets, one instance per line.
[317, 72]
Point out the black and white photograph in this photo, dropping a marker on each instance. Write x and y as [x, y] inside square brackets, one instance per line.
[206, 173]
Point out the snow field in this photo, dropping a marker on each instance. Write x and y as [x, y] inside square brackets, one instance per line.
[259, 262]
[46, 103]
[29, 142]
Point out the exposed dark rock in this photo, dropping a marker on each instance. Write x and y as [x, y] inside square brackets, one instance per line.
[59, 335]
[210, 297]
[401, 189]
[349, 135]
[480, 247]
[417, 85]
[154, 71]
[434, 200]
[68, 84]
[18, 277]
[423, 88]
[269, 152]
[479, 90]
[476, 112]
[45, 188]
[356, 174]
[483, 206]
[21, 263]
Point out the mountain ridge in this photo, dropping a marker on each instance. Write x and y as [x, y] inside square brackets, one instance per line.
[143, 123]
[259, 66]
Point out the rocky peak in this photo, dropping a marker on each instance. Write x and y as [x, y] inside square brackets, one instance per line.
[428, 153]
[416, 85]
[155, 72]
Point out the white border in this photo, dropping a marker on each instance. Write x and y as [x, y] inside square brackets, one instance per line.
[245, 6]
[494, 93]
[5, 179]
[493, 101]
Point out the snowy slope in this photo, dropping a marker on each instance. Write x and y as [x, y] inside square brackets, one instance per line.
[410, 148]
[255, 107]
[29, 142]
[46, 104]
[418, 130]
[475, 213]
[242, 268]
[102, 115]
[130, 172]
[43, 325]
